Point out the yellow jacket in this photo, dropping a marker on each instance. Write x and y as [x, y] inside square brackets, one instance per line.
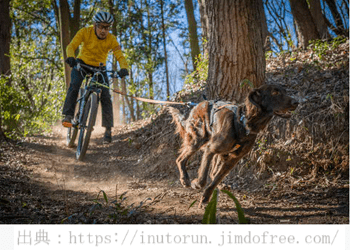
[94, 50]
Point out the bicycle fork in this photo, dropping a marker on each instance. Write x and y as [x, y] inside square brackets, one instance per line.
[83, 103]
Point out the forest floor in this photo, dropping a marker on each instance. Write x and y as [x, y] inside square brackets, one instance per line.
[298, 172]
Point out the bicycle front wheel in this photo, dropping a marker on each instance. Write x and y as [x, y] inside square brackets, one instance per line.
[72, 132]
[87, 125]
[71, 136]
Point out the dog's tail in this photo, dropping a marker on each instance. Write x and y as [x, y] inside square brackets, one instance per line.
[179, 120]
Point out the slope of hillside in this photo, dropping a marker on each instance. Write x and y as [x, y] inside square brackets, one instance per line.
[298, 171]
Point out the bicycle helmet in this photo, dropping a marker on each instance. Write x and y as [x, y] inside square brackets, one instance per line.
[103, 17]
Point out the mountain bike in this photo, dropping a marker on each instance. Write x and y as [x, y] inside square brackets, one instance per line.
[85, 117]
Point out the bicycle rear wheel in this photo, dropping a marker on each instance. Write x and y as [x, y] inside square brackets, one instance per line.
[87, 125]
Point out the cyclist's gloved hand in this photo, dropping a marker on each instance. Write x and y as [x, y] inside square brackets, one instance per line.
[123, 72]
[71, 61]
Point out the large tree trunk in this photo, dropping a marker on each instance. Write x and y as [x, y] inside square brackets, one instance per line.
[204, 24]
[165, 52]
[192, 28]
[307, 30]
[236, 53]
[64, 17]
[5, 37]
[317, 16]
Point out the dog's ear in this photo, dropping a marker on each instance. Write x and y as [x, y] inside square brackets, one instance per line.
[255, 98]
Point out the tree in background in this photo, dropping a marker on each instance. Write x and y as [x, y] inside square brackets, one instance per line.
[165, 50]
[317, 16]
[33, 99]
[68, 27]
[5, 37]
[280, 31]
[113, 9]
[236, 54]
[339, 29]
[285, 32]
[307, 30]
[192, 28]
[204, 23]
[64, 15]
[5, 40]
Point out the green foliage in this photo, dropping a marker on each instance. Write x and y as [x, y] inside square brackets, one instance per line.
[241, 217]
[194, 202]
[26, 111]
[262, 145]
[200, 75]
[209, 216]
[322, 47]
[115, 209]
[32, 100]
[210, 211]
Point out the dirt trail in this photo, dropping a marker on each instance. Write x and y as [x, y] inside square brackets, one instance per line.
[113, 168]
[298, 171]
[146, 171]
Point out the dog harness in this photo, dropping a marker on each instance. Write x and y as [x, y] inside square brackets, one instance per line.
[215, 106]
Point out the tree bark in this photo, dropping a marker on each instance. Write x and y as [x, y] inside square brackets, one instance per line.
[128, 102]
[74, 23]
[5, 38]
[5, 41]
[149, 50]
[132, 110]
[307, 30]
[317, 16]
[64, 17]
[204, 24]
[2, 134]
[165, 52]
[236, 53]
[116, 97]
[265, 31]
[192, 28]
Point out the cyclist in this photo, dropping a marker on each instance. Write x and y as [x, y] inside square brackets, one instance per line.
[96, 43]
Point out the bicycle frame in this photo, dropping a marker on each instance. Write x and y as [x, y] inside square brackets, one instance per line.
[89, 86]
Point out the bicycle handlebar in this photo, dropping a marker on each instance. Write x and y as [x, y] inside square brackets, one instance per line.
[114, 74]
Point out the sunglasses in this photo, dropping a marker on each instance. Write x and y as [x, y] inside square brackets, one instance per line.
[102, 27]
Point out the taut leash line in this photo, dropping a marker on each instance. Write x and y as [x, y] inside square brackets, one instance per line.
[147, 100]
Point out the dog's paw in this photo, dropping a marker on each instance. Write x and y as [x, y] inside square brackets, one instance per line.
[195, 184]
[203, 203]
[185, 182]
[223, 186]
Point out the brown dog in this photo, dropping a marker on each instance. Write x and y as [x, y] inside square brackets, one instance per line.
[226, 132]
